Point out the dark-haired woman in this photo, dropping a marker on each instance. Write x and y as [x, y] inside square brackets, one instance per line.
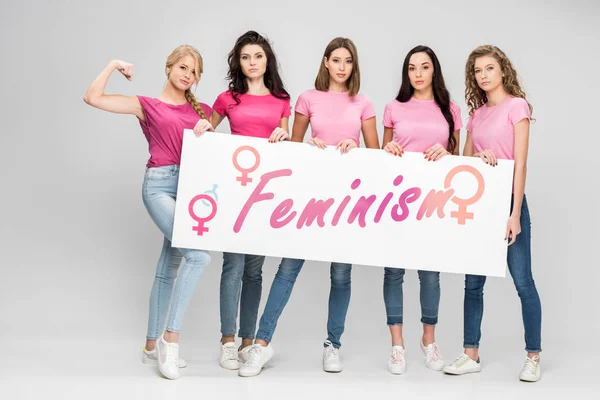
[257, 105]
[421, 119]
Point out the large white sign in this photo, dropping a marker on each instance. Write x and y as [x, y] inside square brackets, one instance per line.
[245, 195]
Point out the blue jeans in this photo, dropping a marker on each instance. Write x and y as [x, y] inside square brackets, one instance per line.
[339, 299]
[393, 296]
[159, 192]
[243, 270]
[519, 265]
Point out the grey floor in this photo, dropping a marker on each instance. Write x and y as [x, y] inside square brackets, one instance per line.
[88, 360]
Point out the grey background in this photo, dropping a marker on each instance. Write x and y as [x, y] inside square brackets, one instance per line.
[79, 250]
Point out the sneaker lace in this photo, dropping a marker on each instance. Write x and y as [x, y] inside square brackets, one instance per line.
[460, 361]
[434, 353]
[254, 355]
[172, 354]
[330, 353]
[530, 365]
[397, 356]
[230, 353]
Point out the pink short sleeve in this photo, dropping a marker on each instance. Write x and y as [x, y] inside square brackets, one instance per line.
[519, 110]
[387, 117]
[303, 105]
[148, 108]
[368, 110]
[455, 109]
[470, 124]
[286, 112]
[222, 103]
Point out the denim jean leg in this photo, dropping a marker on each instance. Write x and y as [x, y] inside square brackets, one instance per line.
[162, 289]
[473, 310]
[280, 292]
[339, 300]
[251, 294]
[429, 296]
[519, 265]
[159, 193]
[196, 262]
[230, 290]
[393, 279]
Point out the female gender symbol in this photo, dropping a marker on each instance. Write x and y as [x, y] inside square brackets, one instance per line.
[462, 215]
[244, 179]
[201, 220]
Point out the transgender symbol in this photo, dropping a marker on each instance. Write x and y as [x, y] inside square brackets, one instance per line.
[212, 191]
[200, 228]
[462, 215]
[244, 179]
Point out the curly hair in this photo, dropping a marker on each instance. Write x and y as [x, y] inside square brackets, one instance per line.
[474, 95]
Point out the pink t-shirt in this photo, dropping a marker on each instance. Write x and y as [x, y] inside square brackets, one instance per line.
[255, 116]
[419, 124]
[164, 127]
[335, 116]
[493, 127]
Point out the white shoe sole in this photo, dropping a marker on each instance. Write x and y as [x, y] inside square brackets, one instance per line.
[395, 371]
[530, 379]
[333, 368]
[149, 361]
[169, 376]
[435, 367]
[462, 372]
[245, 373]
[230, 365]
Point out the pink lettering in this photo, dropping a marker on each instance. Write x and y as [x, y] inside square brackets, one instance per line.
[434, 200]
[258, 196]
[315, 209]
[280, 211]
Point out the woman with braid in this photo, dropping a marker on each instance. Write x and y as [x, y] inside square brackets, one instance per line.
[163, 120]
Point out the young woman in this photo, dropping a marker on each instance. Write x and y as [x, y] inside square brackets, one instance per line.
[257, 105]
[498, 128]
[163, 120]
[337, 114]
[421, 118]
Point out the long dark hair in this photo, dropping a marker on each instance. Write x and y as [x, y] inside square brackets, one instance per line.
[440, 93]
[236, 77]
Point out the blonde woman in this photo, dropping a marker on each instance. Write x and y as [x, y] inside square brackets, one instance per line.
[498, 128]
[163, 120]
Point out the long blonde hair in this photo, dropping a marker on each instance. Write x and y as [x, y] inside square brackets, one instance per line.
[323, 77]
[174, 57]
[474, 95]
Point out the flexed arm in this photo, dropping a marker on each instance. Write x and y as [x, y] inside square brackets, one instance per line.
[115, 103]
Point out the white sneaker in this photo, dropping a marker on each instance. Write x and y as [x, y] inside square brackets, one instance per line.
[397, 363]
[243, 354]
[531, 372]
[257, 358]
[331, 358]
[168, 354]
[150, 357]
[463, 365]
[229, 356]
[433, 357]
